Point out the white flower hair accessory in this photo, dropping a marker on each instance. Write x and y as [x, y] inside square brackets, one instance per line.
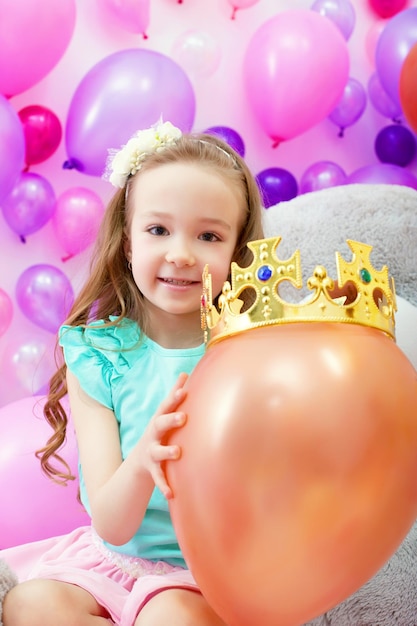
[128, 160]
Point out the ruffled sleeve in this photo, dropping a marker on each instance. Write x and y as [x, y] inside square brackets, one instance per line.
[98, 357]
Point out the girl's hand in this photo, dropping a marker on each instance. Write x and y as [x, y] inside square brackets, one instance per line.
[153, 450]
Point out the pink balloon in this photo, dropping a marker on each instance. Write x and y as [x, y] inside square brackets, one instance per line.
[295, 69]
[350, 107]
[6, 311]
[45, 296]
[33, 506]
[132, 15]
[124, 92]
[42, 130]
[12, 142]
[241, 4]
[30, 205]
[33, 37]
[77, 219]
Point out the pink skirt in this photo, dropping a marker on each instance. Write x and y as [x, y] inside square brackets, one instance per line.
[121, 584]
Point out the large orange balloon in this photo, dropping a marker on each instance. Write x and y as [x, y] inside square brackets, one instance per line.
[408, 87]
[298, 474]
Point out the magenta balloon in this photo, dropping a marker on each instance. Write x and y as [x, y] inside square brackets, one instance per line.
[33, 37]
[12, 142]
[393, 46]
[37, 507]
[230, 136]
[6, 311]
[350, 107]
[45, 296]
[124, 92]
[322, 175]
[77, 219]
[341, 12]
[384, 173]
[132, 15]
[387, 8]
[42, 130]
[381, 101]
[295, 69]
[30, 204]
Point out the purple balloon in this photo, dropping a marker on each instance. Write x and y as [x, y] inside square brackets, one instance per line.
[322, 175]
[381, 101]
[45, 296]
[12, 142]
[393, 46]
[383, 173]
[276, 185]
[395, 144]
[125, 92]
[340, 12]
[230, 136]
[30, 204]
[350, 107]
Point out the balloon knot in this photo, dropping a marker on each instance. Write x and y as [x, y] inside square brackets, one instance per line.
[341, 132]
[66, 258]
[233, 16]
[276, 142]
[22, 238]
[26, 168]
[145, 36]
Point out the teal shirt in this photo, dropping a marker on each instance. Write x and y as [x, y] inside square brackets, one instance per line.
[130, 374]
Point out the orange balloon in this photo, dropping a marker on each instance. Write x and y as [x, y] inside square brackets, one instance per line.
[298, 474]
[408, 87]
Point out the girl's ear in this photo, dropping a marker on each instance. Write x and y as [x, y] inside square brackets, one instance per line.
[127, 249]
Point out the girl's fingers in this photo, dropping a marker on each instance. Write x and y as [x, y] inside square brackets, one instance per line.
[167, 421]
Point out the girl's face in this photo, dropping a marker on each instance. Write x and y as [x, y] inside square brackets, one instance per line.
[184, 216]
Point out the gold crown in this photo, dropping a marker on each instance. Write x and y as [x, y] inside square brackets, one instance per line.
[363, 295]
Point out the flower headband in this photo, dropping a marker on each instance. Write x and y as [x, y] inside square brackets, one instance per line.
[128, 160]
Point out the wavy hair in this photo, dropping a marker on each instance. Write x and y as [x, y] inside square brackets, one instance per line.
[110, 289]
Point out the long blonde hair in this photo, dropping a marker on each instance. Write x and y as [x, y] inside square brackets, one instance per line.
[110, 289]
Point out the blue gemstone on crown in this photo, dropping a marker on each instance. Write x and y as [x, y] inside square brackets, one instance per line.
[264, 273]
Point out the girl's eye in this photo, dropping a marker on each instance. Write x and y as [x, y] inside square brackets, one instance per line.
[159, 231]
[209, 237]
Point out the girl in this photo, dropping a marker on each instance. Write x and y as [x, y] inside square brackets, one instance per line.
[130, 340]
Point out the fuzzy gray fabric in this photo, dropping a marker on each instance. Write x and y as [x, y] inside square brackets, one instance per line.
[318, 224]
[8, 579]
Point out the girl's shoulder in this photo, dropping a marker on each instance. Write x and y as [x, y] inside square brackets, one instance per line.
[100, 353]
[101, 335]
[101, 345]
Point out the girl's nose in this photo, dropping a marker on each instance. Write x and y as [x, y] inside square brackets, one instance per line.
[180, 254]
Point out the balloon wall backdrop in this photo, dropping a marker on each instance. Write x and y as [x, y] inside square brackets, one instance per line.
[314, 93]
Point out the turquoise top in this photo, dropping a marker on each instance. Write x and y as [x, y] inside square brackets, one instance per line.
[130, 374]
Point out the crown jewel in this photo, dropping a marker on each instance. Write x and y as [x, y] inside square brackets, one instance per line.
[362, 295]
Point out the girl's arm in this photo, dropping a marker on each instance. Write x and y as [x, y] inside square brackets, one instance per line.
[119, 491]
